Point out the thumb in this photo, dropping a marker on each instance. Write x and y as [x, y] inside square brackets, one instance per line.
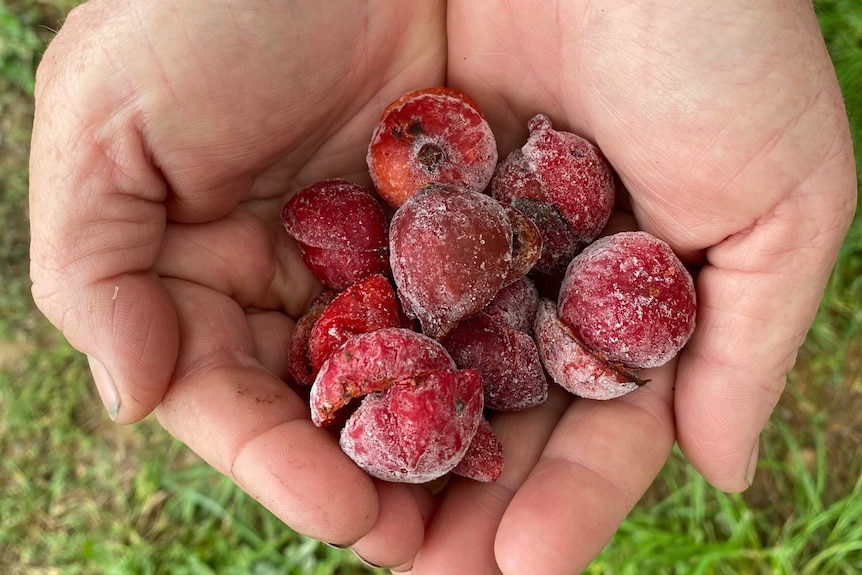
[97, 219]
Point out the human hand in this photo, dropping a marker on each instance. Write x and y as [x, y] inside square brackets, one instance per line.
[160, 160]
[166, 137]
[726, 126]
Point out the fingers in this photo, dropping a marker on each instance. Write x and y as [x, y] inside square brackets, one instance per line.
[398, 532]
[757, 299]
[460, 539]
[249, 425]
[600, 459]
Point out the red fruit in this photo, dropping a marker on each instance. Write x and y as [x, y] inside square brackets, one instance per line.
[372, 362]
[515, 305]
[341, 231]
[431, 135]
[512, 374]
[298, 360]
[573, 366]
[451, 252]
[366, 306]
[484, 458]
[628, 297]
[416, 430]
[564, 184]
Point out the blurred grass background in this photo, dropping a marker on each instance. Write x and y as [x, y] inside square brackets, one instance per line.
[81, 495]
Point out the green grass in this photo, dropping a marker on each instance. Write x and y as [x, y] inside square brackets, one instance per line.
[81, 495]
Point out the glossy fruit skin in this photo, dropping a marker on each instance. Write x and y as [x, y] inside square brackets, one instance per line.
[431, 135]
[342, 232]
[628, 297]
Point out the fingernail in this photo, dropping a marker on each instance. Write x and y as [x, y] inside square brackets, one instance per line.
[105, 386]
[752, 463]
[366, 561]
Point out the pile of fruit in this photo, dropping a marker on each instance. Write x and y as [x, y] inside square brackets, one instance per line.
[432, 319]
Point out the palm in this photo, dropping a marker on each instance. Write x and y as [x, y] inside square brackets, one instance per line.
[706, 136]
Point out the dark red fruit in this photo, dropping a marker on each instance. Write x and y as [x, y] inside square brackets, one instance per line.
[431, 135]
[512, 374]
[515, 305]
[564, 184]
[451, 252]
[341, 231]
[484, 458]
[298, 360]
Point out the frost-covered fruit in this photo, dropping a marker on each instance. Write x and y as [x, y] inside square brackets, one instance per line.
[512, 374]
[483, 460]
[431, 135]
[418, 429]
[341, 230]
[628, 297]
[573, 366]
[450, 252]
[371, 362]
[563, 183]
[298, 361]
[366, 306]
[515, 305]
[418, 413]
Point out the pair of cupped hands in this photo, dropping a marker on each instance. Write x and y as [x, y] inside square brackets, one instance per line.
[168, 135]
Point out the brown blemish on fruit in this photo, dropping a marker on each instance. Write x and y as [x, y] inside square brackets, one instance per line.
[431, 156]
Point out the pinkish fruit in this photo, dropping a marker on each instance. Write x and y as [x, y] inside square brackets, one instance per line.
[573, 366]
[372, 362]
[366, 306]
[430, 135]
[451, 252]
[484, 458]
[341, 231]
[628, 297]
[564, 184]
[417, 429]
[512, 374]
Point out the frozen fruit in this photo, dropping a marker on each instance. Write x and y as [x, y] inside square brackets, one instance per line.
[366, 306]
[628, 297]
[573, 366]
[341, 230]
[563, 183]
[450, 251]
[371, 362]
[483, 460]
[512, 374]
[430, 135]
[515, 305]
[526, 243]
[417, 429]
[298, 361]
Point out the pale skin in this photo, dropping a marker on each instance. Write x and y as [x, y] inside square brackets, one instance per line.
[168, 134]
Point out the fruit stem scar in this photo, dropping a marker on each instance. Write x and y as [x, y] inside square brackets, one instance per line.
[431, 156]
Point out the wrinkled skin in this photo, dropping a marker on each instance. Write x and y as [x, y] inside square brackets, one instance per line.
[167, 134]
